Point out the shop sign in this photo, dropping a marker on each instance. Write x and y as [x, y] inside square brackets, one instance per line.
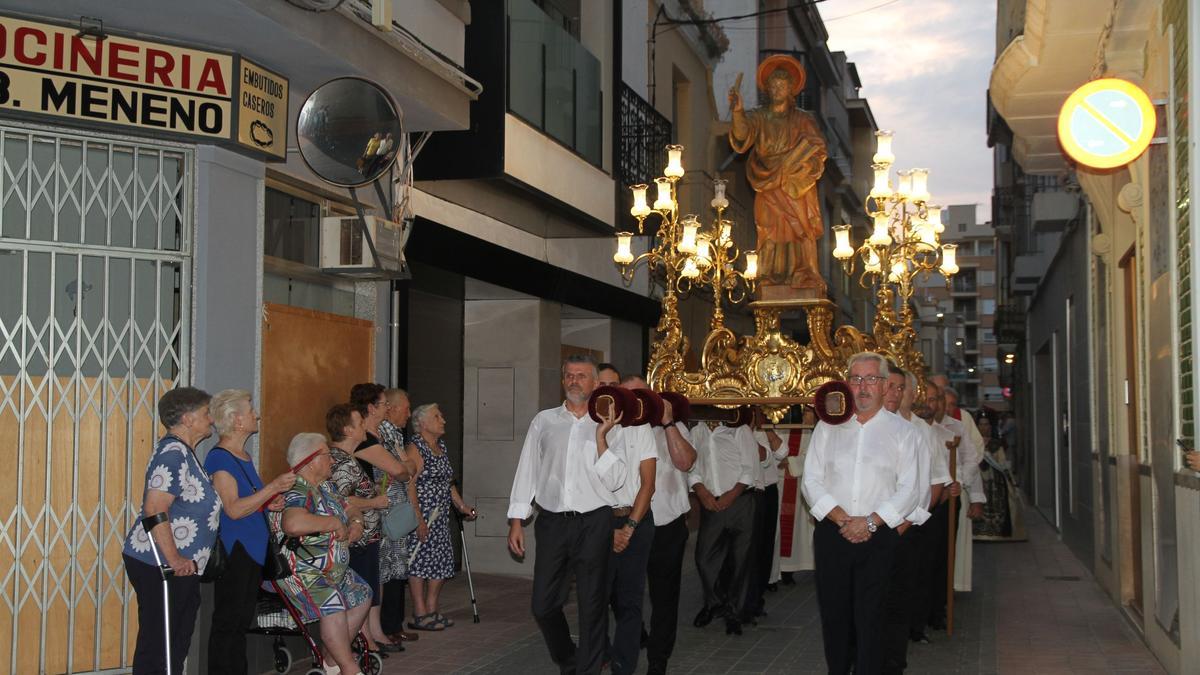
[1106, 123]
[164, 89]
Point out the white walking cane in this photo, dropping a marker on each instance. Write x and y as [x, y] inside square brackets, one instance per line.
[149, 523]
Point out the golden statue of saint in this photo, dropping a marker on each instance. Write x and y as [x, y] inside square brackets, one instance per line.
[787, 158]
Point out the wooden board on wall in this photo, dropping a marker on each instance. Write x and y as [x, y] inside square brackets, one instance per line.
[310, 361]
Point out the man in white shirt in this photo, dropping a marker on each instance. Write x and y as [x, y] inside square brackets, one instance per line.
[572, 467]
[726, 462]
[908, 574]
[633, 533]
[861, 479]
[771, 451]
[669, 506]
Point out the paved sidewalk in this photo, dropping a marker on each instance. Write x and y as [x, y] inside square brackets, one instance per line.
[1026, 615]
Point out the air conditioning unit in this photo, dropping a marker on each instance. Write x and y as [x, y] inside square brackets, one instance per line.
[345, 252]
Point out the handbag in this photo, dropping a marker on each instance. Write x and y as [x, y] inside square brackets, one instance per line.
[275, 564]
[217, 562]
[399, 521]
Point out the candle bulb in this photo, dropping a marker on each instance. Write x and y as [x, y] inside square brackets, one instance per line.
[726, 236]
[751, 265]
[674, 162]
[843, 250]
[872, 264]
[624, 254]
[883, 148]
[703, 252]
[719, 201]
[933, 214]
[882, 189]
[949, 263]
[881, 236]
[687, 239]
[690, 271]
[920, 184]
[897, 273]
[664, 202]
[640, 209]
[904, 184]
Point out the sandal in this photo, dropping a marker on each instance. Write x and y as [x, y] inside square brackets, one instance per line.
[427, 622]
[443, 619]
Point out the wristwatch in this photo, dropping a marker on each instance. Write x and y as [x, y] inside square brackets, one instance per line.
[871, 526]
[630, 522]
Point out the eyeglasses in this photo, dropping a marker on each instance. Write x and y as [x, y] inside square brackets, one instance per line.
[859, 380]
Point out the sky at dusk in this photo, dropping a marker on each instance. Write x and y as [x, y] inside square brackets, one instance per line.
[924, 66]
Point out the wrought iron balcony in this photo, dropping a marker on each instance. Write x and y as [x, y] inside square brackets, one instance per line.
[645, 134]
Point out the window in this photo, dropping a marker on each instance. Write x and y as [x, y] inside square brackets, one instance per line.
[988, 337]
[986, 278]
[990, 364]
[292, 252]
[962, 227]
[985, 248]
[292, 228]
[989, 307]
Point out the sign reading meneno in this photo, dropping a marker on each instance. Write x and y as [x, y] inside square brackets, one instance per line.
[47, 69]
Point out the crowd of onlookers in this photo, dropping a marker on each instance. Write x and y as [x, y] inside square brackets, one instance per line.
[362, 512]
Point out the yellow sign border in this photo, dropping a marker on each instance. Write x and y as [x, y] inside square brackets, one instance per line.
[1137, 145]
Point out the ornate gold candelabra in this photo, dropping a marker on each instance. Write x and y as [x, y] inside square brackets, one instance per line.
[904, 246]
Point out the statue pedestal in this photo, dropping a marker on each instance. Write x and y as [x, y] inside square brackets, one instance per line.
[777, 293]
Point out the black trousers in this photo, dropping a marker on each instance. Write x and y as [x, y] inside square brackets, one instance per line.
[234, 596]
[938, 524]
[664, 571]
[578, 545]
[766, 523]
[149, 656]
[365, 561]
[627, 588]
[391, 609]
[726, 535]
[852, 584]
[931, 532]
[903, 589]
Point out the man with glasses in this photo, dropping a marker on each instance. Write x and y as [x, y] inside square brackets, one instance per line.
[861, 479]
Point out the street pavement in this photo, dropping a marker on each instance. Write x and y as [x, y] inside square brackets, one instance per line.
[1035, 609]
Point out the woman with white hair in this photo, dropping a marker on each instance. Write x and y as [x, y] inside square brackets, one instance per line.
[323, 587]
[431, 490]
[243, 529]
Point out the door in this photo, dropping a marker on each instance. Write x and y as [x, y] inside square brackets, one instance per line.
[1131, 542]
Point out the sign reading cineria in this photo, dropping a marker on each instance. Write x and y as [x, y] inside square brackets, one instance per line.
[53, 70]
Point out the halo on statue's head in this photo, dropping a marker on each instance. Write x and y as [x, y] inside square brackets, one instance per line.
[789, 64]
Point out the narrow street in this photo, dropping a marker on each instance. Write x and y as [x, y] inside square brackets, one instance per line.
[1035, 609]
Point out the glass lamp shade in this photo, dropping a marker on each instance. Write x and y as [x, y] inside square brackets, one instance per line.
[881, 189]
[751, 265]
[934, 216]
[719, 201]
[927, 235]
[949, 261]
[872, 264]
[640, 208]
[904, 184]
[674, 162]
[624, 254]
[703, 251]
[663, 202]
[725, 238]
[690, 270]
[920, 184]
[883, 148]
[687, 239]
[881, 236]
[898, 271]
[842, 250]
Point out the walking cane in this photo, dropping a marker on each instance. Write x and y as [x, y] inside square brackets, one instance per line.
[951, 539]
[149, 523]
[467, 564]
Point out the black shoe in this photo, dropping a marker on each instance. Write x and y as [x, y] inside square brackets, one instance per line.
[918, 637]
[787, 579]
[657, 669]
[703, 617]
[645, 637]
[733, 627]
[938, 623]
[773, 587]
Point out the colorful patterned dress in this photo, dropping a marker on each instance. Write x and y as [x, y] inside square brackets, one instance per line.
[435, 558]
[323, 582]
[393, 555]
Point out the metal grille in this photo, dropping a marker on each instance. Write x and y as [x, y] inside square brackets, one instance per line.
[645, 134]
[94, 298]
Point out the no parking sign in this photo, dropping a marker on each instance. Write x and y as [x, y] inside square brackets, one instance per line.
[1106, 123]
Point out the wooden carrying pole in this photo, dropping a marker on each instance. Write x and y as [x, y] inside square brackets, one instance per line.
[951, 540]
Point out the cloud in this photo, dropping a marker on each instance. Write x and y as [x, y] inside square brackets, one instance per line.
[924, 66]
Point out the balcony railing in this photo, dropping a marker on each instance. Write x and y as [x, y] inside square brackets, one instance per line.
[645, 134]
[961, 285]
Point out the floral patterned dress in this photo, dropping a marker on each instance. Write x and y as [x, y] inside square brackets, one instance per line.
[393, 555]
[323, 582]
[435, 558]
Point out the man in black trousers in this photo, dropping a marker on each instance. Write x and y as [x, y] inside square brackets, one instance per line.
[860, 478]
[571, 465]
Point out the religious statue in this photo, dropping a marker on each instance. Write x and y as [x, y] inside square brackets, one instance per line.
[787, 158]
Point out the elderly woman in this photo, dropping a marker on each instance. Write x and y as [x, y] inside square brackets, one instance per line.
[323, 587]
[182, 511]
[1003, 517]
[355, 482]
[243, 528]
[431, 490]
[393, 554]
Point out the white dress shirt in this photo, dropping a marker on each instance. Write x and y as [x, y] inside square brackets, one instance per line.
[638, 445]
[725, 456]
[770, 465]
[670, 498]
[863, 468]
[925, 475]
[967, 458]
[559, 468]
